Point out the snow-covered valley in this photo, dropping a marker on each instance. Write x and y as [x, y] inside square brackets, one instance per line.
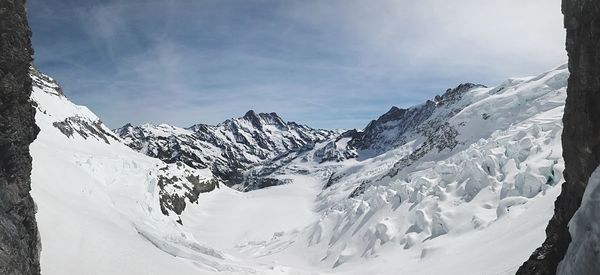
[462, 184]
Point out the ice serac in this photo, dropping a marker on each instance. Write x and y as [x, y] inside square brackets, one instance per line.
[229, 148]
[19, 243]
[428, 128]
[581, 135]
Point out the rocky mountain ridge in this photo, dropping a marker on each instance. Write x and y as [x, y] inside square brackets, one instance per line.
[234, 146]
[228, 148]
[396, 126]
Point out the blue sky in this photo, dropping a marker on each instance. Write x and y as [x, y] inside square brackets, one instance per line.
[328, 63]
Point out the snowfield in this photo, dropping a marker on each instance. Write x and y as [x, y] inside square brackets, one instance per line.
[472, 195]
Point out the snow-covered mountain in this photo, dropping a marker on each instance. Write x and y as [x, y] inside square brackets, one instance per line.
[227, 148]
[462, 184]
[429, 120]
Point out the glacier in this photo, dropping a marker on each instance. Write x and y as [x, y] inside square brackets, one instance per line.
[466, 188]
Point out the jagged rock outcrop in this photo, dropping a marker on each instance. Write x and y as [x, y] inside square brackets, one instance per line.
[338, 150]
[84, 128]
[179, 185]
[581, 134]
[19, 240]
[229, 148]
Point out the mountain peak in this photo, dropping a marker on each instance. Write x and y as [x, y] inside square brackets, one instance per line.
[460, 89]
[250, 114]
[260, 119]
[392, 114]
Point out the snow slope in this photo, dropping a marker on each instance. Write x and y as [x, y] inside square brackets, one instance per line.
[98, 200]
[469, 190]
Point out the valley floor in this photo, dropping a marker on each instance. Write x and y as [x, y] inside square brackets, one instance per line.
[252, 230]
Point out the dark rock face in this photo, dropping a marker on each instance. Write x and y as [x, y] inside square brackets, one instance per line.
[176, 191]
[331, 152]
[581, 134]
[84, 128]
[19, 241]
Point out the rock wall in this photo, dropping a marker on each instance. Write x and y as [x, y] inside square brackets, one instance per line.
[581, 134]
[19, 240]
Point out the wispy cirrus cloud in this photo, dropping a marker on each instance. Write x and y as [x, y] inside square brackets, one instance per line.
[325, 63]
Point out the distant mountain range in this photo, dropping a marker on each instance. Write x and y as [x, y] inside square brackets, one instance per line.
[228, 148]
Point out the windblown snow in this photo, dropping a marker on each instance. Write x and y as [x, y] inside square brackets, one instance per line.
[468, 188]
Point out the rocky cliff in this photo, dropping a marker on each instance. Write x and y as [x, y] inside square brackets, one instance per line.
[19, 242]
[581, 135]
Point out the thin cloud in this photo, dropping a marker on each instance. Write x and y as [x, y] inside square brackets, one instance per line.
[329, 64]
